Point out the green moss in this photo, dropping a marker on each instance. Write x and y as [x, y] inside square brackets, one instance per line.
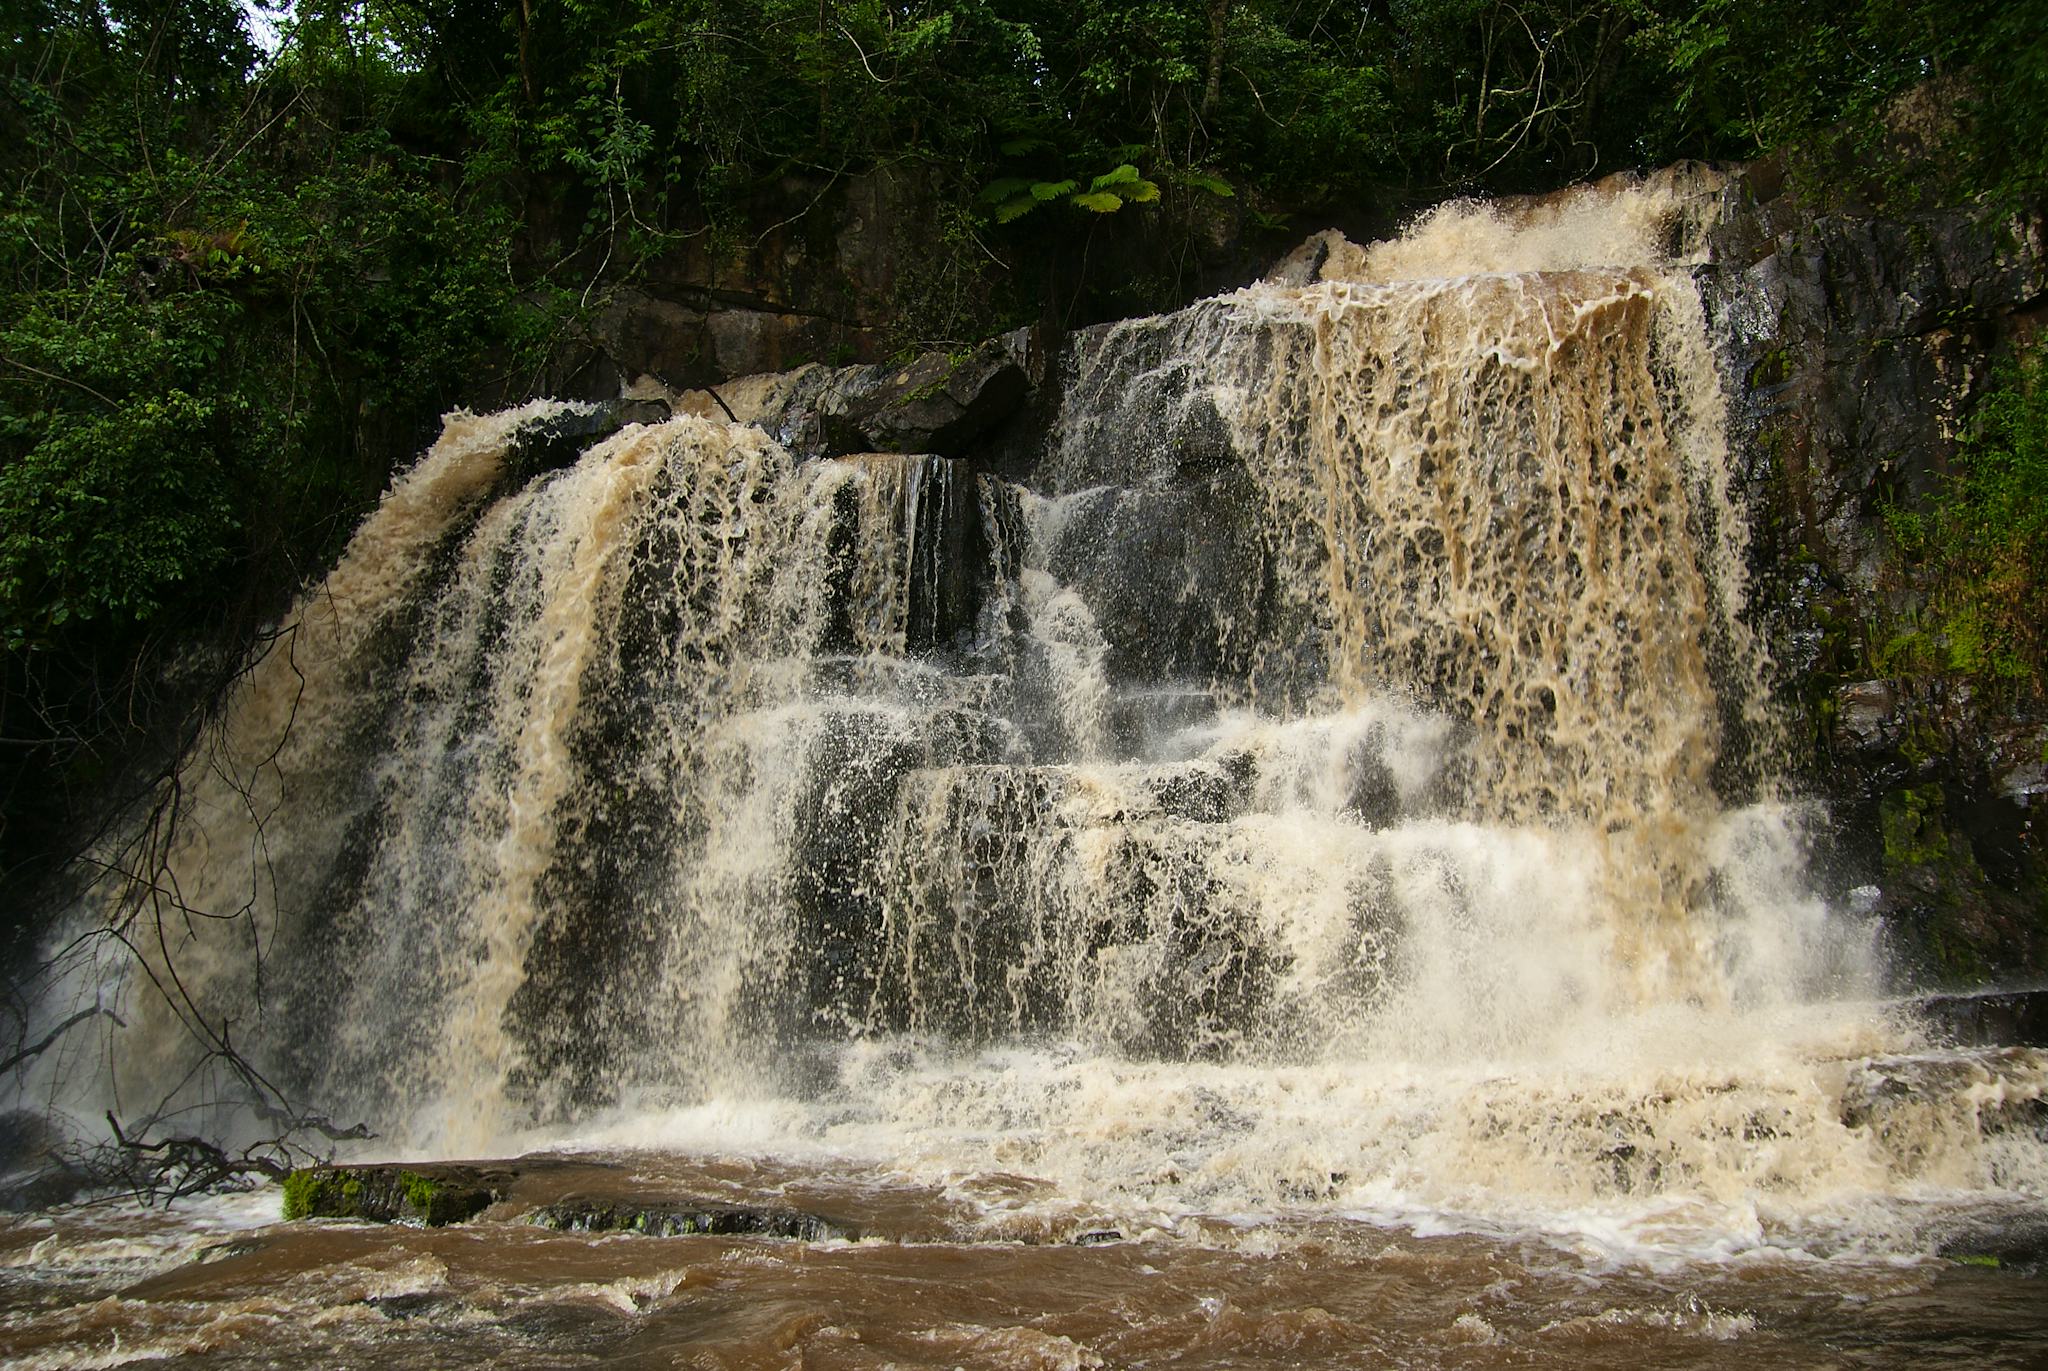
[1773, 368]
[1956, 960]
[302, 1192]
[1910, 820]
[1978, 1259]
[421, 1193]
[318, 1193]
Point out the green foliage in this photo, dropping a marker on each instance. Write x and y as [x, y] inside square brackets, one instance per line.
[1011, 197]
[1979, 551]
[234, 292]
[1943, 101]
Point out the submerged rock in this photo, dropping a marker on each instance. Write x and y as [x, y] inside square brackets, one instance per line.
[674, 1218]
[2011, 1240]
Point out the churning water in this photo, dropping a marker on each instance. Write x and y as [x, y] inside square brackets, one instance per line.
[1327, 790]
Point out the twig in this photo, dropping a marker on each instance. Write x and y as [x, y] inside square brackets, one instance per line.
[80, 1017]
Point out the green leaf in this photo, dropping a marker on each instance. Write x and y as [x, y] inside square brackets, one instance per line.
[1215, 185]
[1119, 176]
[1011, 210]
[1139, 192]
[1100, 201]
[1003, 189]
[1053, 190]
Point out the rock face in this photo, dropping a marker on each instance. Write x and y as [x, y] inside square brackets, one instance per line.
[848, 267]
[2019, 1018]
[1856, 344]
[819, 284]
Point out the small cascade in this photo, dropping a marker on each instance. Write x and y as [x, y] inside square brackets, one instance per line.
[1336, 773]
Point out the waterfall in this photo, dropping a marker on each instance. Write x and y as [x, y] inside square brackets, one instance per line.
[1337, 773]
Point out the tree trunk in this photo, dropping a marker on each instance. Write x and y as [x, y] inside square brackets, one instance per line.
[1219, 20]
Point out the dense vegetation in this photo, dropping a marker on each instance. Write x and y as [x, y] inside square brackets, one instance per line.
[1979, 551]
[240, 278]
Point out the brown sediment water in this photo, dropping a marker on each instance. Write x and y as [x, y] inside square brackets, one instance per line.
[216, 1287]
[1312, 832]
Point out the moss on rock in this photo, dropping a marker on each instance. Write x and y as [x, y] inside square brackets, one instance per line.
[431, 1197]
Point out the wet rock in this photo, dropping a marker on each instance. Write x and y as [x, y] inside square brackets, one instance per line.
[2012, 1018]
[940, 403]
[556, 441]
[2006, 1240]
[647, 410]
[414, 1305]
[1894, 1095]
[1198, 791]
[674, 1218]
[1304, 265]
[35, 1170]
[430, 1194]
[1857, 340]
[1866, 715]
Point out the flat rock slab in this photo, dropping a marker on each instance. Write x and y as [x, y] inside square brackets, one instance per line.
[661, 1218]
[428, 1193]
[577, 1195]
[1998, 1018]
[2015, 1240]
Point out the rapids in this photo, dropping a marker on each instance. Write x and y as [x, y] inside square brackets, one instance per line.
[1314, 814]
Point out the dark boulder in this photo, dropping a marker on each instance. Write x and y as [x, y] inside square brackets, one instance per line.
[2009, 1018]
[556, 441]
[36, 1168]
[941, 403]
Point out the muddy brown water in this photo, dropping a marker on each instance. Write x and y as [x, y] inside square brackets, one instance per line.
[931, 1283]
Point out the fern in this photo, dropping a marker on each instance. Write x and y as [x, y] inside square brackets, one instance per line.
[1013, 197]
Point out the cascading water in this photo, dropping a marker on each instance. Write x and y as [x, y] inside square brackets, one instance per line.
[1336, 778]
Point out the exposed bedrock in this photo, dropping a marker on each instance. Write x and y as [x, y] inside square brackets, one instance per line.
[1855, 345]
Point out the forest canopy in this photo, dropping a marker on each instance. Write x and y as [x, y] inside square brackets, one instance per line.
[250, 255]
